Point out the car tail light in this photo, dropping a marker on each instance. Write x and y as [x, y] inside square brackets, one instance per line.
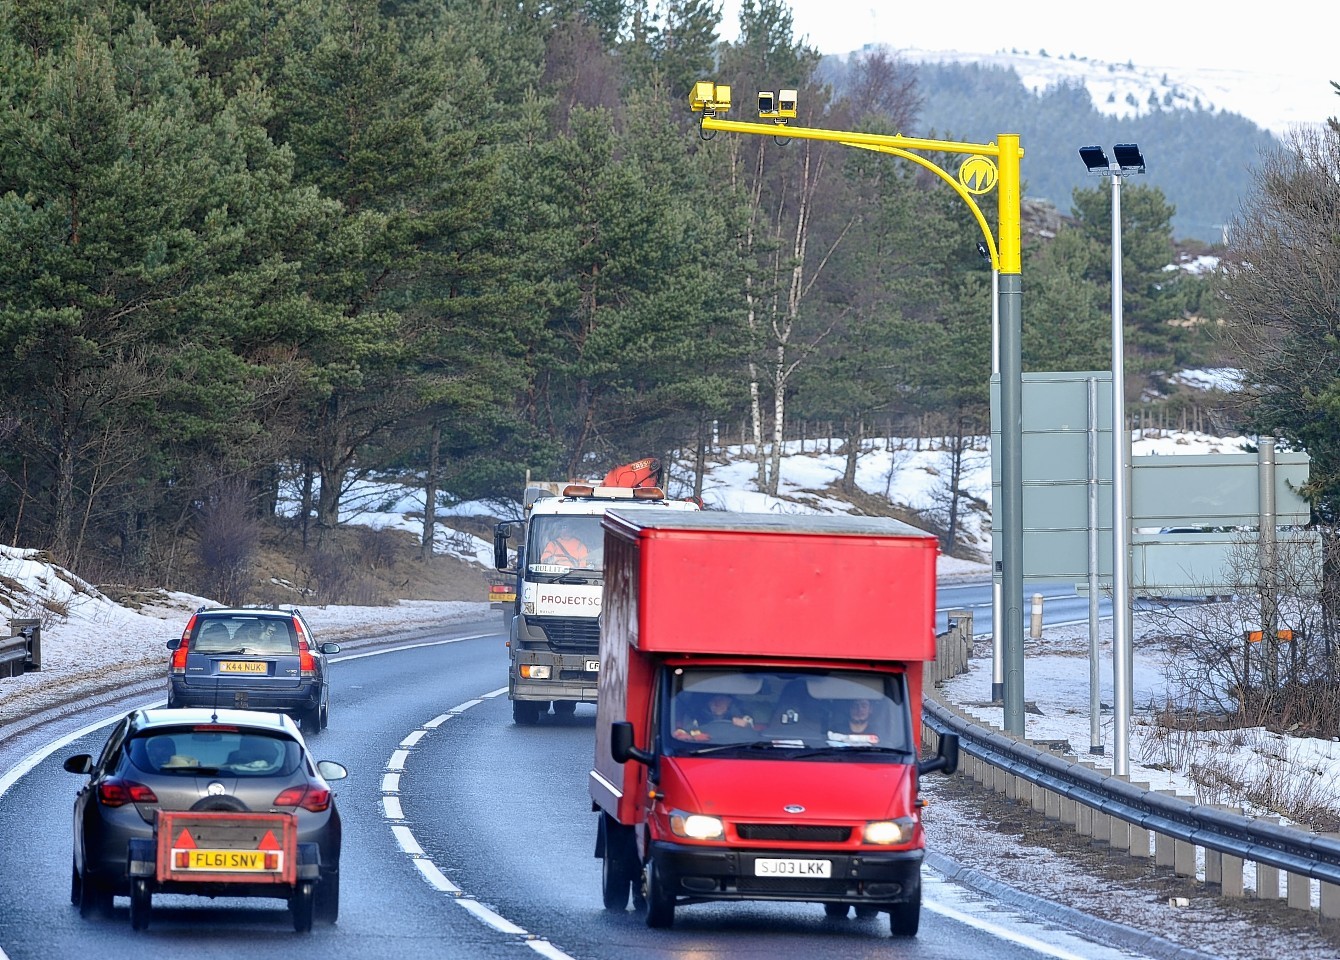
[178, 664]
[309, 797]
[116, 792]
[306, 662]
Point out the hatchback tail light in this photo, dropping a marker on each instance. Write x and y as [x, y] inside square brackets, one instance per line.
[117, 792]
[309, 797]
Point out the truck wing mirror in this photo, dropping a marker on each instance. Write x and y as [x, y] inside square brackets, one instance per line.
[621, 744]
[501, 534]
[946, 758]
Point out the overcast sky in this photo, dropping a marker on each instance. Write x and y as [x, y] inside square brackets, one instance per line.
[1298, 39]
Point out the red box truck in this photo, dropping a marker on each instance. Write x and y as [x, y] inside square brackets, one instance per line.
[759, 713]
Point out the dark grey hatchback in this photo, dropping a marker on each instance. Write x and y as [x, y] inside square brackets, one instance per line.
[247, 766]
[252, 658]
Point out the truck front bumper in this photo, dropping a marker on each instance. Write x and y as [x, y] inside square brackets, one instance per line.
[569, 678]
[873, 878]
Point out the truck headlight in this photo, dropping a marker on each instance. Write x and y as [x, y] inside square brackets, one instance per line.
[890, 831]
[696, 826]
[535, 671]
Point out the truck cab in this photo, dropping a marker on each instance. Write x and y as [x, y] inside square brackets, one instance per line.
[554, 630]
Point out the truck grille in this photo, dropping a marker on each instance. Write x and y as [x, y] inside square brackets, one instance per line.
[573, 634]
[793, 831]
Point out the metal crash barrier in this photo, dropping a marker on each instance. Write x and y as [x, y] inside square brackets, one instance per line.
[1207, 843]
[22, 650]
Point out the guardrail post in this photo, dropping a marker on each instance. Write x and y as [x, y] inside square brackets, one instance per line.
[1139, 836]
[1184, 858]
[1230, 879]
[1267, 877]
[1267, 882]
[1214, 867]
[1165, 854]
[1298, 891]
[1329, 901]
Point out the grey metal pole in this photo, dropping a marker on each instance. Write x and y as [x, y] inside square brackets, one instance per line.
[1012, 492]
[1265, 554]
[1095, 700]
[1123, 661]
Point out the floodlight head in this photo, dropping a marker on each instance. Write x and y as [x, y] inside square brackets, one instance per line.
[1129, 157]
[1094, 158]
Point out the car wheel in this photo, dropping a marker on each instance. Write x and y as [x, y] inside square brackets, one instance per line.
[865, 913]
[660, 898]
[836, 911]
[95, 899]
[905, 918]
[75, 884]
[619, 867]
[525, 713]
[565, 708]
[302, 902]
[310, 720]
[325, 715]
[328, 897]
[141, 904]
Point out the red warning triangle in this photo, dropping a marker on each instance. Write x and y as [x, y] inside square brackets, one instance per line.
[185, 841]
[268, 842]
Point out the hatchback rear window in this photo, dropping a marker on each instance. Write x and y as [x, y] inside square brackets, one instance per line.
[190, 752]
[241, 634]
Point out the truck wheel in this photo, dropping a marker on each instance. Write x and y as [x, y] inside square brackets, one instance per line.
[526, 713]
[141, 904]
[619, 866]
[565, 708]
[905, 918]
[660, 898]
[301, 902]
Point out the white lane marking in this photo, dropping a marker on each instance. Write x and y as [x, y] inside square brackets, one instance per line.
[488, 917]
[435, 876]
[13, 774]
[431, 872]
[407, 646]
[407, 841]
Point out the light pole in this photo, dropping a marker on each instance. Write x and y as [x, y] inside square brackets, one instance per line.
[1127, 159]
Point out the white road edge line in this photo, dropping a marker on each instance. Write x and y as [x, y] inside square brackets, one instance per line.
[431, 872]
[1032, 943]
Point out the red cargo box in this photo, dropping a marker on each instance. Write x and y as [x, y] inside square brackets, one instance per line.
[226, 847]
[860, 588]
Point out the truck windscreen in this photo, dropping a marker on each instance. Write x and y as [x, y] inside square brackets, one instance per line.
[833, 709]
[560, 544]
